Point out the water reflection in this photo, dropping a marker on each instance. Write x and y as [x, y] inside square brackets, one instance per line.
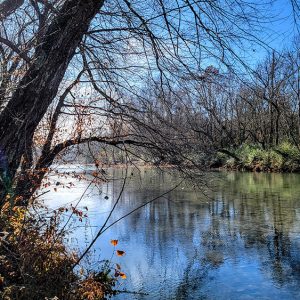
[242, 242]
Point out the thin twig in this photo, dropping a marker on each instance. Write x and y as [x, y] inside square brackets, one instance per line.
[103, 228]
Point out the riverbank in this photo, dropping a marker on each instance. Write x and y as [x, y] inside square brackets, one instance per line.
[284, 158]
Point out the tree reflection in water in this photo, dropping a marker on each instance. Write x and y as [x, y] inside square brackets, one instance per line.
[242, 242]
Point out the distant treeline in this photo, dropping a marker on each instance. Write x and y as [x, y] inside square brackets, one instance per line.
[244, 121]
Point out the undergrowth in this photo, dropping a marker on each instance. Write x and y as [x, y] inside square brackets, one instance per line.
[36, 264]
[284, 158]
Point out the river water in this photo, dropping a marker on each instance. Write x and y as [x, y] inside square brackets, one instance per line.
[239, 239]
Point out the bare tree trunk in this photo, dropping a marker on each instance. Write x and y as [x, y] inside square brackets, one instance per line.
[271, 136]
[272, 101]
[298, 95]
[39, 86]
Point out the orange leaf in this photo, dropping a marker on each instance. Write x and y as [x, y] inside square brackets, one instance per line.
[122, 275]
[95, 174]
[114, 242]
[120, 252]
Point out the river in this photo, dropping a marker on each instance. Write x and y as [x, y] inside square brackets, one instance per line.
[237, 239]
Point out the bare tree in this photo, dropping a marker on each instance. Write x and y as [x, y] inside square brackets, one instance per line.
[49, 47]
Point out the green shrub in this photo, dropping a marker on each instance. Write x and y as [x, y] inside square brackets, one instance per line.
[285, 157]
[274, 160]
[289, 151]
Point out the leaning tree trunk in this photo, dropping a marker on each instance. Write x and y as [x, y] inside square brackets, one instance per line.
[39, 86]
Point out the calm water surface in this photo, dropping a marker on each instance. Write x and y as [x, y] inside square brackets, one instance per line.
[241, 241]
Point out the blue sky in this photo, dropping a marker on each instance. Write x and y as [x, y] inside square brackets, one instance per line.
[277, 31]
[283, 26]
[281, 29]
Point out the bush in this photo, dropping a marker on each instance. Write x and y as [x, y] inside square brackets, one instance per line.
[35, 263]
[274, 160]
[289, 151]
[253, 157]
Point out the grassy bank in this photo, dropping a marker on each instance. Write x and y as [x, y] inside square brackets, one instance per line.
[283, 158]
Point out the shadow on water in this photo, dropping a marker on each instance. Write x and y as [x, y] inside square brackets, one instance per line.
[242, 242]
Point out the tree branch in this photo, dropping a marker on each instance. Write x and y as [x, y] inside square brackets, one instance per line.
[12, 46]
